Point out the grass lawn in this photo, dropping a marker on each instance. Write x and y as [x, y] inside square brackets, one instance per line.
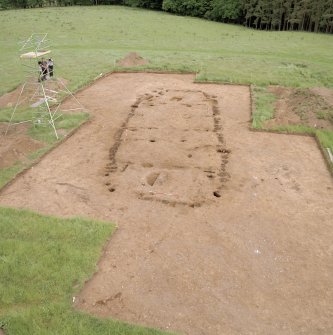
[87, 40]
[44, 262]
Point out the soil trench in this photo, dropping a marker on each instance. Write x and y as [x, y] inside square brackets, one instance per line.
[221, 230]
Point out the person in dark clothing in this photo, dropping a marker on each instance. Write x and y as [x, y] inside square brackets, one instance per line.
[50, 66]
[44, 69]
[40, 71]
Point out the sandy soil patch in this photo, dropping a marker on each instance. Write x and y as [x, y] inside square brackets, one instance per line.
[221, 230]
[9, 100]
[326, 93]
[313, 108]
[131, 60]
[16, 145]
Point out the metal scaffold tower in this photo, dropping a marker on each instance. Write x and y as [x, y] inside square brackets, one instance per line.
[42, 89]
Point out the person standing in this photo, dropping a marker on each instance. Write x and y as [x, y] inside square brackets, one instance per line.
[40, 74]
[44, 69]
[50, 67]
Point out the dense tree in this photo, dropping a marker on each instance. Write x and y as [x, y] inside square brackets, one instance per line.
[151, 4]
[187, 7]
[308, 15]
[326, 23]
[226, 11]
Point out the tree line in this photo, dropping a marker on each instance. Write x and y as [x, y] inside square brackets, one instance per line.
[305, 15]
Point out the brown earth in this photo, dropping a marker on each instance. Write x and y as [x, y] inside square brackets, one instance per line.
[309, 107]
[221, 230]
[16, 145]
[9, 99]
[326, 93]
[131, 60]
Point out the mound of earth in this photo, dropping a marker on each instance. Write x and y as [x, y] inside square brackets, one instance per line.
[308, 107]
[16, 145]
[132, 59]
[9, 99]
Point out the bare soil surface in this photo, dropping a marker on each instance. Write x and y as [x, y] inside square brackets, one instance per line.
[131, 60]
[221, 230]
[326, 93]
[16, 145]
[309, 107]
[9, 99]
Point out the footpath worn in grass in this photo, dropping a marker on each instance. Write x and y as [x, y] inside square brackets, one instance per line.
[44, 262]
[87, 40]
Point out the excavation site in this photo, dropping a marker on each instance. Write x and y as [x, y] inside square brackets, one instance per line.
[220, 229]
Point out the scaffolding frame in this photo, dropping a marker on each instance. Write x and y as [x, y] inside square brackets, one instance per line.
[45, 101]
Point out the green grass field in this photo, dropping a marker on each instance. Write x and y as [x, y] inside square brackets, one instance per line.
[87, 40]
[43, 260]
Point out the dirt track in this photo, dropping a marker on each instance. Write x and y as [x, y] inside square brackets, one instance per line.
[256, 260]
